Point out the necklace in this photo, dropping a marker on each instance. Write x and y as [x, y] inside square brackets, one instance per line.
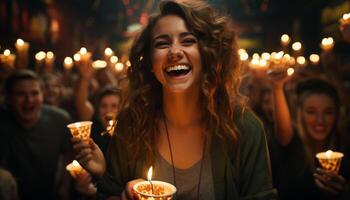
[172, 160]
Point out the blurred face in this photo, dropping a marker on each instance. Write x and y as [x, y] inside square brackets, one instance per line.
[176, 60]
[319, 115]
[26, 99]
[52, 92]
[108, 104]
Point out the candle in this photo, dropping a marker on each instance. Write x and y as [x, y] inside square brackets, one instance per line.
[108, 53]
[68, 63]
[330, 160]
[74, 169]
[99, 64]
[22, 52]
[114, 59]
[49, 61]
[327, 44]
[285, 39]
[314, 59]
[301, 61]
[119, 67]
[290, 71]
[8, 59]
[80, 129]
[296, 46]
[345, 19]
[82, 57]
[154, 190]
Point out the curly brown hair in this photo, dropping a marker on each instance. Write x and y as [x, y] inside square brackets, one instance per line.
[219, 83]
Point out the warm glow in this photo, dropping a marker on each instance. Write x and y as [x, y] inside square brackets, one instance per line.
[265, 56]
[296, 46]
[75, 163]
[314, 58]
[346, 16]
[149, 174]
[108, 51]
[83, 50]
[290, 71]
[285, 39]
[114, 59]
[111, 122]
[77, 57]
[262, 63]
[256, 56]
[50, 54]
[128, 63]
[119, 66]
[20, 42]
[99, 64]
[68, 60]
[329, 153]
[240, 51]
[243, 56]
[327, 41]
[7, 52]
[301, 60]
[254, 61]
[40, 55]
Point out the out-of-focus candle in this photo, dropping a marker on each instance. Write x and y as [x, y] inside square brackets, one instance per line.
[285, 39]
[301, 60]
[296, 46]
[114, 59]
[327, 44]
[68, 63]
[314, 59]
[345, 19]
[99, 64]
[330, 160]
[49, 61]
[119, 67]
[290, 71]
[8, 59]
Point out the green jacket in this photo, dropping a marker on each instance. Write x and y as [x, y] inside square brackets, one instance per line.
[245, 174]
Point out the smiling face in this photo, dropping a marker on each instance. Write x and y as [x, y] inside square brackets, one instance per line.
[108, 105]
[176, 60]
[318, 113]
[26, 99]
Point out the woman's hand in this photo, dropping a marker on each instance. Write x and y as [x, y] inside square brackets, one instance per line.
[89, 155]
[329, 182]
[84, 185]
[128, 193]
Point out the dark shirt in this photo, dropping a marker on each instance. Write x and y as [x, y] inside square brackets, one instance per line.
[32, 155]
[96, 134]
[244, 174]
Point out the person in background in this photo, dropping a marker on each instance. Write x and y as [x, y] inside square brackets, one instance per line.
[8, 186]
[34, 137]
[318, 112]
[183, 114]
[103, 113]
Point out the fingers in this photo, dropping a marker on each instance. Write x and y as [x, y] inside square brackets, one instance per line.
[329, 181]
[82, 150]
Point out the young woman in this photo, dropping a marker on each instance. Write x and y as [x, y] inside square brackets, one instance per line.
[184, 114]
[298, 175]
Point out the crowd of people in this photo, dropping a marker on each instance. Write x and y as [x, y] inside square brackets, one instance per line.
[206, 122]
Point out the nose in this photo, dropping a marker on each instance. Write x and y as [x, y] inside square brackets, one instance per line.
[320, 118]
[175, 53]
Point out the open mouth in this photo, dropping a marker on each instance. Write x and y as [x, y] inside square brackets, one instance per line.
[178, 70]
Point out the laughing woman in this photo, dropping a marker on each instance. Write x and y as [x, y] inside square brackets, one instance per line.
[184, 114]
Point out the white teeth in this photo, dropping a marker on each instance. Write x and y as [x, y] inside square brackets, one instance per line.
[177, 67]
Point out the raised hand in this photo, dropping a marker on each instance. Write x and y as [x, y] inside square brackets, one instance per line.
[329, 182]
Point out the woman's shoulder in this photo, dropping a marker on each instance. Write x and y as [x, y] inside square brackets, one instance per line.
[247, 122]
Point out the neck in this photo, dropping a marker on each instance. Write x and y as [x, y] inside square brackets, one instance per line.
[318, 146]
[182, 109]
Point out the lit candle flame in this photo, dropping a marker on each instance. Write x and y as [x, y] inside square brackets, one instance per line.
[99, 64]
[50, 54]
[20, 42]
[114, 59]
[83, 50]
[285, 39]
[296, 46]
[77, 57]
[40, 55]
[290, 71]
[149, 174]
[108, 51]
[329, 153]
[119, 66]
[314, 58]
[75, 163]
[7, 52]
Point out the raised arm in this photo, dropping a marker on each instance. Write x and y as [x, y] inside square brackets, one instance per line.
[85, 109]
[282, 117]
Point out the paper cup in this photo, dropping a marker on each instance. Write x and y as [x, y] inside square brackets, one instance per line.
[161, 190]
[80, 129]
[74, 169]
[330, 162]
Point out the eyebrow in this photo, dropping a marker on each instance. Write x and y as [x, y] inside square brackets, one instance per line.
[163, 36]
